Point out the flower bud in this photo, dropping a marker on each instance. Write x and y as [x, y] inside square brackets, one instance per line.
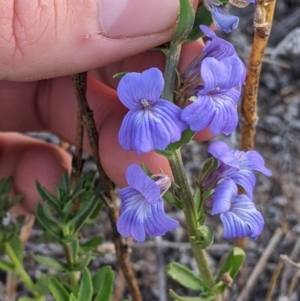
[163, 181]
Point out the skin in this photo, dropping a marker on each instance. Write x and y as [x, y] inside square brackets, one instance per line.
[40, 46]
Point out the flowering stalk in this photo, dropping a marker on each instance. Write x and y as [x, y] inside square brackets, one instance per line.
[179, 174]
[173, 55]
[191, 218]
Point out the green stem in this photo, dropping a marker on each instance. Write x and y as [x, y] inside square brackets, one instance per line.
[185, 196]
[70, 260]
[173, 56]
[179, 174]
[20, 271]
[72, 275]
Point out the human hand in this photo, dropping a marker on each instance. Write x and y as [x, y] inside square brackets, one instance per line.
[44, 42]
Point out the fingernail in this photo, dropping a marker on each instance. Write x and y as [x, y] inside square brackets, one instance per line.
[130, 18]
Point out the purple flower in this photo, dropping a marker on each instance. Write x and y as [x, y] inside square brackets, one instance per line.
[151, 123]
[215, 47]
[237, 166]
[220, 16]
[237, 212]
[215, 105]
[142, 207]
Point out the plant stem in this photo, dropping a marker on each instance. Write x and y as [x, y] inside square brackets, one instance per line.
[72, 275]
[70, 260]
[20, 271]
[263, 19]
[173, 56]
[107, 193]
[185, 196]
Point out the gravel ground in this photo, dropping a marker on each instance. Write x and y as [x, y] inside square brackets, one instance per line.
[277, 139]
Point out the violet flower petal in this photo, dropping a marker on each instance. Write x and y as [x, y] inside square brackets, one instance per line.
[223, 20]
[199, 113]
[242, 219]
[220, 150]
[253, 160]
[134, 87]
[246, 179]
[137, 179]
[157, 222]
[222, 197]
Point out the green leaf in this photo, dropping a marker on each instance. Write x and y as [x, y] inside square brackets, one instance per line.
[41, 286]
[120, 74]
[184, 276]
[172, 199]
[26, 299]
[72, 297]
[209, 167]
[231, 266]
[49, 225]
[103, 282]
[17, 247]
[206, 236]
[186, 137]
[50, 262]
[80, 265]
[57, 290]
[13, 202]
[82, 215]
[47, 197]
[85, 292]
[92, 243]
[197, 199]
[5, 266]
[186, 298]
[203, 17]
[184, 23]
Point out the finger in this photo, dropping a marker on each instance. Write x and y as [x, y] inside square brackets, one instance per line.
[53, 107]
[27, 160]
[43, 39]
[146, 60]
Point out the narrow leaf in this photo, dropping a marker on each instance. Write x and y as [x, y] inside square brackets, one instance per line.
[184, 276]
[17, 247]
[57, 290]
[231, 266]
[72, 297]
[83, 214]
[47, 196]
[203, 16]
[103, 282]
[5, 266]
[185, 21]
[49, 225]
[79, 266]
[85, 292]
[50, 262]
[92, 243]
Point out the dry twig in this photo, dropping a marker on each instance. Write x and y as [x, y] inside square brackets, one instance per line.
[108, 193]
[260, 264]
[262, 23]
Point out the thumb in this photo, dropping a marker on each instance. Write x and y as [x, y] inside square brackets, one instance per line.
[42, 39]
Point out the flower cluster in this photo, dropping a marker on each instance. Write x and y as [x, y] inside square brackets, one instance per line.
[237, 211]
[212, 83]
[142, 206]
[215, 80]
